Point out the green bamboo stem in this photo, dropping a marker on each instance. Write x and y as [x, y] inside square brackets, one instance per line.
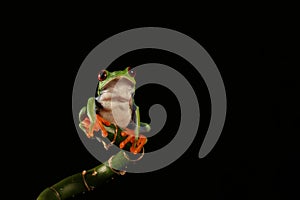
[85, 181]
[88, 180]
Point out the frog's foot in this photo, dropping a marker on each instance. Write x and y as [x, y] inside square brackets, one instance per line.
[137, 145]
[100, 122]
[89, 128]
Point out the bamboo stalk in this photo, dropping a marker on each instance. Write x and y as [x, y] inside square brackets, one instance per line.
[88, 180]
[85, 181]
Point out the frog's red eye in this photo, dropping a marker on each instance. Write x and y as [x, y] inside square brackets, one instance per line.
[131, 72]
[102, 75]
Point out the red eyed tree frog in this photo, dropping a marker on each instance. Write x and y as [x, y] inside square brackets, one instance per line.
[114, 104]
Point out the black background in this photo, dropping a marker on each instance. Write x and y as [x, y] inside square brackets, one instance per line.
[258, 153]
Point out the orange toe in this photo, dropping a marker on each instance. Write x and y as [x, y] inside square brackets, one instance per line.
[136, 146]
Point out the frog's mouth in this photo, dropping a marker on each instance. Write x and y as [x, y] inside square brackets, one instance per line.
[118, 81]
[118, 89]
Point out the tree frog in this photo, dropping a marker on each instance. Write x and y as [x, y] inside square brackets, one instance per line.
[114, 104]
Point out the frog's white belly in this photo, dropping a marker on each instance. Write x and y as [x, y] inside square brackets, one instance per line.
[116, 104]
[116, 112]
[116, 100]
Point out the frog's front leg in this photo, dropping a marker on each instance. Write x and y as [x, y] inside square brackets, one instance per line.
[91, 122]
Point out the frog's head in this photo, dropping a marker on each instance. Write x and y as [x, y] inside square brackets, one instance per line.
[121, 83]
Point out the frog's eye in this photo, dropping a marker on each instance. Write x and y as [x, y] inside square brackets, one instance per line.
[131, 72]
[102, 75]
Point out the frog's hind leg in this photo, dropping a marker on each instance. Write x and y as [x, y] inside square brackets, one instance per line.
[85, 122]
[90, 121]
[88, 128]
